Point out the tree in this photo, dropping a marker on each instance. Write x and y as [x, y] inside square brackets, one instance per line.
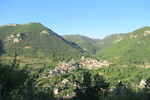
[1, 48]
[90, 89]
[11, 78]
[17, 84]
[147, 89]
[119, 88]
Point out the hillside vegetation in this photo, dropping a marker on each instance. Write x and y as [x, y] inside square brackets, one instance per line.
[93, 45]
[86, 43]
[133, 48]
[34, 40]
[107, 69]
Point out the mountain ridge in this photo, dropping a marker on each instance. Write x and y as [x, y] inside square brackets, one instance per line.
[93, 45]
[37, 41]
[132, 49]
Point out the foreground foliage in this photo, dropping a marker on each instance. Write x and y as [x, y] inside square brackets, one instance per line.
[112, 83]
[97, 89]
[17, 84]
[91, 89]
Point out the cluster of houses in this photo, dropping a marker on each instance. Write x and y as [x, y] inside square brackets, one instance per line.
[133, 36]
[63, 84]
[64, 68]
[74, 65]
[93, 63]
[70, 67]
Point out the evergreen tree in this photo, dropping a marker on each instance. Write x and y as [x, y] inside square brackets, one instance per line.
[90, 89]
[11, 78]
[1, 48]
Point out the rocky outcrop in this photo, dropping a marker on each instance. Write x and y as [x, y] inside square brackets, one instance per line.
[15, 38]
[11, 25]
[45, 32]
[27, 47]
[133, 36]
[146, 33]
[119, 38]
[142, 83]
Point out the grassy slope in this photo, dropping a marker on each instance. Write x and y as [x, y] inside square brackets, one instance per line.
[133, 48]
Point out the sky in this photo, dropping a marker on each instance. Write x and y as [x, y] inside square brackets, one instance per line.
[92, 18]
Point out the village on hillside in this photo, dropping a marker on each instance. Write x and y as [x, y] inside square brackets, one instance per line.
[71, 67]
[74, 65]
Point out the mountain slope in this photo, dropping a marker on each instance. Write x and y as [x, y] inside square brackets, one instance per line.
[94, 45]
[133, 48]
[37, 41]
[109, 40]
[84, 42]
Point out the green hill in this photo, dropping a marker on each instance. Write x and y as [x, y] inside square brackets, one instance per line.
[84, 42]
[93, 45]
[109, 40]
[132, 48]
[34, 40]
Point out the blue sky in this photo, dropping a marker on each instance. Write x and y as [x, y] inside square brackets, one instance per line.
[92, 18]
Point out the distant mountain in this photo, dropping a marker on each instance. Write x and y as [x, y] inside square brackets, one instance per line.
[109, 40]
[86, 43]
[132, 48]
[34, 40]
[94, 45]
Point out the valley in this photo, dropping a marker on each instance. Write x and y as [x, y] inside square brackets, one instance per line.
[72, 65]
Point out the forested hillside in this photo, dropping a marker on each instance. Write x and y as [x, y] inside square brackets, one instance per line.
[94, 45]
[86, 43]
[133, 48]
[34, 40]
